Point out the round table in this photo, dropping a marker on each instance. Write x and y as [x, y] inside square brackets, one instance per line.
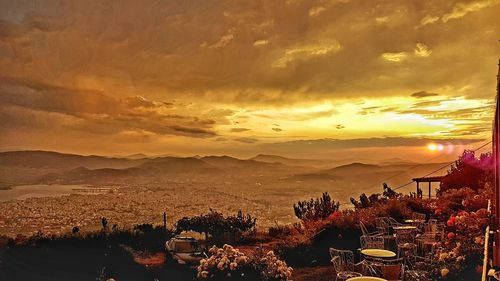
[414, 221]
[366, 278]
[403, 227]
[378, 253]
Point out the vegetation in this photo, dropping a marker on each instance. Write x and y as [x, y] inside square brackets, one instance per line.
[469, 171]
[316, 209]
[216, 225]
[228, 263]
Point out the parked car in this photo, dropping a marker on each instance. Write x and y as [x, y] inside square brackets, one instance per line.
[184, 250]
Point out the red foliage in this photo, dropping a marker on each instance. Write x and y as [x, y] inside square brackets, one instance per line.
[469, 171]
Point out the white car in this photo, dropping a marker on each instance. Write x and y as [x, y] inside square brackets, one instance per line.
[185, 250]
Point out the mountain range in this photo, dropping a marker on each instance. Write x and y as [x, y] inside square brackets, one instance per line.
[28, 167]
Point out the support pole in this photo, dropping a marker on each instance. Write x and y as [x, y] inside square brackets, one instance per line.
[496, 159]
[430, 189]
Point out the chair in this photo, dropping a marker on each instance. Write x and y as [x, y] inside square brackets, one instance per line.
[405, 239]
[393, 269]
[343, 263]
[382, 225]
[435, 229]
[419, 269]
[372, 242]
[392, 222]
[419, 219]
[418, 216]
[365, 232]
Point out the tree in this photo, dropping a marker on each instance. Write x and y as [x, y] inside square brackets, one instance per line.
[469, 171]
[316, 209]
[215, 224]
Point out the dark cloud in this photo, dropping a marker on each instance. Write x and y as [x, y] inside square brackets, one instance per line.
[239, 130]
[246, 140]
[277, 129]
[91, 111]
[336, 144]
[193, 131]
[423, 94]
[339, 126]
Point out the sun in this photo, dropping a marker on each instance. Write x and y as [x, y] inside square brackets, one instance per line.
[435, 147]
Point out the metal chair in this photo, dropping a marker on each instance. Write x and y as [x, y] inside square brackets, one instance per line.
[372, 242]
[382, 225]
[343, 263]
[392, 222]
[419, 269]
[405, 239]
[419, 219]
[434, 229]
[365, 232]
[393, 269]
[418, 216]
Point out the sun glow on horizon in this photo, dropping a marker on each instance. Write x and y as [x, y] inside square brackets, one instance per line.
[435, 147]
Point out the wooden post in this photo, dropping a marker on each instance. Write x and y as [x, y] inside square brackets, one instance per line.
[418, 190]
[430, 189]
[496, 159]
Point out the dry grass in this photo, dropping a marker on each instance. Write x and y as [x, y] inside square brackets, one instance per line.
[317, 273]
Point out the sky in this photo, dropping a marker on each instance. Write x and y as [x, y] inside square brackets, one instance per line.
[309, 79]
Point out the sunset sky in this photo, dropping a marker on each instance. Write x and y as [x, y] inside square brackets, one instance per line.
[309, 79]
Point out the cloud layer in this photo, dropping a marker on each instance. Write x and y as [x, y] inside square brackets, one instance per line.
[219, 73]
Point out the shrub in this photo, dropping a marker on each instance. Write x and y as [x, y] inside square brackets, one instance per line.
[215, 224]
[316, 209]
[469, 171]
[228, 263]
[280, 230]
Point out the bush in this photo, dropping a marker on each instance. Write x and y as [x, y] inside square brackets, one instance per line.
[469, 172]
[228, 263]
[316, 209]
[215, 224]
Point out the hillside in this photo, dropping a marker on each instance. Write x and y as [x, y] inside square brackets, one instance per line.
[317, 163]
[56, 160]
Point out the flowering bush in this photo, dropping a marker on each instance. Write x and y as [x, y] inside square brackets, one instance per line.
[228, 263]
[273, 268]
[225, 262]
[462, 247]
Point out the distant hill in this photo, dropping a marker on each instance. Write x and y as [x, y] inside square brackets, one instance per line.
[231, 162]
[56, 160]
[396, 160]
[84, 175]
[174, 165]
[313, 177]
[354, 168]
[137, 156]
[293, 162]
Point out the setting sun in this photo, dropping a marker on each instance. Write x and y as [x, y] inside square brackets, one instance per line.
[435, 147]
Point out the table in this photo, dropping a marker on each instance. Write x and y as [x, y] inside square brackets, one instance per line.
[378, 253]
[366, 278]
[414, 221]
[409, 227]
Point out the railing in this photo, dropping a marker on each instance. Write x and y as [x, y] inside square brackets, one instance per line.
[486, 245]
